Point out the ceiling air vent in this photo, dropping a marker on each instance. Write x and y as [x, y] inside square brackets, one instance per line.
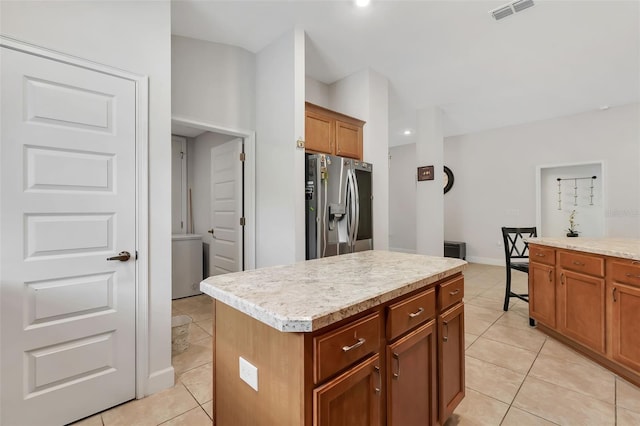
[511, 8]
[522, 5]
[502, 12]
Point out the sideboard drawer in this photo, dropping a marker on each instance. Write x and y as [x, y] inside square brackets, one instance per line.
[451, 292]
[339, 348]
[409, 313]
[544, 255]
[583, 263]
[626, 271]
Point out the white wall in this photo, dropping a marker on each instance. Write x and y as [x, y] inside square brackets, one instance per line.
[213, 83]
[199, 181]
[402, 198]
[133, 36]
[316, 92]
[280, 81]
[429, 194]
[495, 174]
[364, 95]
[589, 210]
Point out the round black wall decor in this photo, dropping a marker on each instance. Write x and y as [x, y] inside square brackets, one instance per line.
[447, 179]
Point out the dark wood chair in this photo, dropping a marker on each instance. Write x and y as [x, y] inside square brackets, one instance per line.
[515, 247]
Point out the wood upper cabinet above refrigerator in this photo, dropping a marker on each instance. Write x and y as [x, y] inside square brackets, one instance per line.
[329, 132]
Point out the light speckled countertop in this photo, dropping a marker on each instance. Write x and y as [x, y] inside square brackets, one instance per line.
[616, 247]
[310, 295]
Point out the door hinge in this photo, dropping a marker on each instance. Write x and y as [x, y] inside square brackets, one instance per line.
[242, 156]
[181, 155]
[243, 221]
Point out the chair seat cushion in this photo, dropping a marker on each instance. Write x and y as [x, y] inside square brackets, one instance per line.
[521, 266]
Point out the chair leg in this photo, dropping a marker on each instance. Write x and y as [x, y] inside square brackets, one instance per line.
[532, 322]
[507, 290]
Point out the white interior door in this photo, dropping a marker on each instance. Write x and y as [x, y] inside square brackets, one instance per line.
[226, 208]
[67, 203]
[178, 185]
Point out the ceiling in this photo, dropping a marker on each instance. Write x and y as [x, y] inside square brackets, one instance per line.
[554, 59]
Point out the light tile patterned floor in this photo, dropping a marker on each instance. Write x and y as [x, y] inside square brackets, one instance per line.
[516, 376]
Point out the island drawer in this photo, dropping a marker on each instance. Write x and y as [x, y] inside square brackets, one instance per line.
[451, 292]
[411, 312]
[542, 255]
[339, 348]
[625, 271]
[584, 263]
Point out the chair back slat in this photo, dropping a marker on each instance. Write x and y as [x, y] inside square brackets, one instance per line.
[515, 247]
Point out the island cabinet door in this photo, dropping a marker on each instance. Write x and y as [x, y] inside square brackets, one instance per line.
[542, 294]
[450, 360]
[352, 398]
[411, 378]
[625, 321]
[581, 313]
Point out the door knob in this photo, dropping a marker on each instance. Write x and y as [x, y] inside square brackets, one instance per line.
[210, 231]
[123, 256]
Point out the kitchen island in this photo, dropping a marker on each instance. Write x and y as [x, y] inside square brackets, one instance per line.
[586, 293]
[369, 338]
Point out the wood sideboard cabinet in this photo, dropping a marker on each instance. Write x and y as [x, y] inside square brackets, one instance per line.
[398, 364]
[329, 132]
[589, 301]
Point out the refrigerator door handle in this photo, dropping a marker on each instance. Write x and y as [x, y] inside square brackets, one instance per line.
[357, 200]
[351, 207]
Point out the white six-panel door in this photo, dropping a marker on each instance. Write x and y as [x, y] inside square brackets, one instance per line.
[226, 208]
[67, 314]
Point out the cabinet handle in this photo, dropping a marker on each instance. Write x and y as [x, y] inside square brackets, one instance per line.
[540, 254]
[453, 293]
[550, 278]
[359, 343]
[575, 262]
[445, 336]
[416, 313]
[562, 278]
[396, 356]
[614, 294]
[636, 262]
[377, 369]
[632, 276]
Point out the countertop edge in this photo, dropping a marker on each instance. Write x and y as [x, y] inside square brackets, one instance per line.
[589, 246]
[311, 324]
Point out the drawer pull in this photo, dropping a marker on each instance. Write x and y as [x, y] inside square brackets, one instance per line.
[550, 271]
[632, 276]
[562, 278]
[453, 293]
[377, 369]
[416, 313]
[540, 254]
[359, 343]
[575, 262]
[445, 336]
[396, 356]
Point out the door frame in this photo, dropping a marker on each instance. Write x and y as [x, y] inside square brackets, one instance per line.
[141, 83]
[249, 139]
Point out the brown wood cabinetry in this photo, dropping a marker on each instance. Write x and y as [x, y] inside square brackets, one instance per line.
[330, 132]
[542, 292]
[591, 302]
[398, 364]
[451, 383]
[581, 308]
[624, 292]
[351, 399]
[412, 379]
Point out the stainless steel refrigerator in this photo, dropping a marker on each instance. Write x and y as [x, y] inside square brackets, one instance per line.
[338, 205]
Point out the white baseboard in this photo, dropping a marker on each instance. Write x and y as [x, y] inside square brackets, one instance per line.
[402, 250]
[485, 260]
[160, 380]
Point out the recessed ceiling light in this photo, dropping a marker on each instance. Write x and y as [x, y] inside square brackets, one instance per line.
[362, 3]
[407, 132]
[604, 107]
